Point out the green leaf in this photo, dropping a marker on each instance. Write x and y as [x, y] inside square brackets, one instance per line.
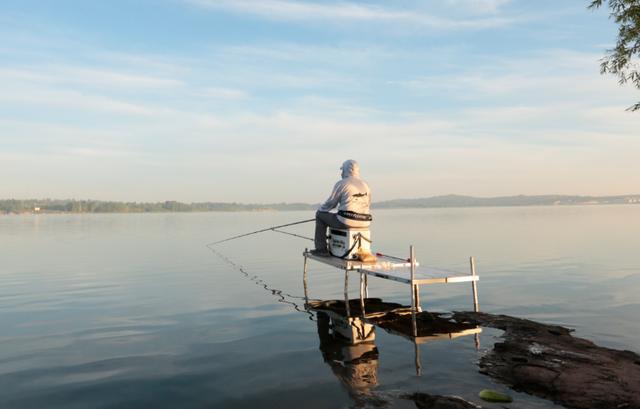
[494, 396]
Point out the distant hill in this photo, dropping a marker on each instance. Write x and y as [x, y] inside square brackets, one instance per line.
[97, 206]
[520, 200]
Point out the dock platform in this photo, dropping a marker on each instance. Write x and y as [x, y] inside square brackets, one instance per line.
[405, 271]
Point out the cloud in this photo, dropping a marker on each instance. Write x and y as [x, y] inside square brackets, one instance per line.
[84, 89]
[94, 152]
[291, 52]
[442, 153]
[346, 11]
[479, 6]
[165, 114]
[103, 77]
[225, 93]
[547, 77]
[83, 101]
[96, 77]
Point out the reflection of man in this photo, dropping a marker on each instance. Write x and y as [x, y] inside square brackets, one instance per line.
[352, 197]
[356, 366]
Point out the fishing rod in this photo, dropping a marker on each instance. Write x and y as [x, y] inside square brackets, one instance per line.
[273, 228]
[293, 234]
[393, 257]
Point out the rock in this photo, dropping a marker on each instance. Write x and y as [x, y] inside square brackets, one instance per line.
[547, 361]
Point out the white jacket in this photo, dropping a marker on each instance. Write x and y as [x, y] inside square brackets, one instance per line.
[350, 194]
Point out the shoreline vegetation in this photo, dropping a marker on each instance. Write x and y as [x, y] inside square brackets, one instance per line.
[18, 206]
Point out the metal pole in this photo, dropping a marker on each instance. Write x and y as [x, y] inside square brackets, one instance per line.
[413, 293]
[474, 285]
[346, 293]
[415, 300]
[304, 279]
[366, 286]
[417, 291]
[362, 275]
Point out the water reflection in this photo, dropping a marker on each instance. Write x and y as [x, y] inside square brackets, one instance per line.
[355, 365]
[347, 335]
[347, 343]
[395, 319]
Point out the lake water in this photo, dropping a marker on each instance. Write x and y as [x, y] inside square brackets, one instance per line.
[131, 311]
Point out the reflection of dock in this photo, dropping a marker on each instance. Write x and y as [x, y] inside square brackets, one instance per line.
[429, 338]
[395, 319]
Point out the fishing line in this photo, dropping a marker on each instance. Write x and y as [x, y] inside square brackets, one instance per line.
[282, 297]
[258, 281]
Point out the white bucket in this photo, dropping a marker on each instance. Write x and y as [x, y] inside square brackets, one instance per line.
[346, 243]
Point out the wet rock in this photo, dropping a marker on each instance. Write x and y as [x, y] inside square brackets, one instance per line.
[427, 323]
[373, 306]
[547, 361]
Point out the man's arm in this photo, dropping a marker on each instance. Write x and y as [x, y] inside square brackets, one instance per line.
[333, 199]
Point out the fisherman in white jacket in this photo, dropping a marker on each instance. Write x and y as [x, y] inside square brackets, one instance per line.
[352, 197]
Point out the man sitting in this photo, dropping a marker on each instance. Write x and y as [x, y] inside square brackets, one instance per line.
[352, 197]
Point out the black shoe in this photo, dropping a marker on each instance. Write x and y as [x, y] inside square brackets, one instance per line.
[320, 253]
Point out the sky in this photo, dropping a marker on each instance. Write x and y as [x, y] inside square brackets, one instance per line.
[260, 101]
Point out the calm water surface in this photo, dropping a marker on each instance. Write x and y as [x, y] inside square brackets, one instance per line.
[130, 311]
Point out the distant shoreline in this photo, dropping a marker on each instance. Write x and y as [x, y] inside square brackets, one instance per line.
[73, 206]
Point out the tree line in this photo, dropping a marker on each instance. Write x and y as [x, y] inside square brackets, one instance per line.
[98, 206]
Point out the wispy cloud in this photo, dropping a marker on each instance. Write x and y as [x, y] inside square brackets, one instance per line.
[544, 77]
[225, 93]
[340, 11]
[93, 76]
[94, 152]
[83, 101]
[96, 77]
[479, 6]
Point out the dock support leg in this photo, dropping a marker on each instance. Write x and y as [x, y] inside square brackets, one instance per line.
[366, 286]
[304, 280]
[362, 277]
[474, 285]
[414, 323]
[346, 293]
